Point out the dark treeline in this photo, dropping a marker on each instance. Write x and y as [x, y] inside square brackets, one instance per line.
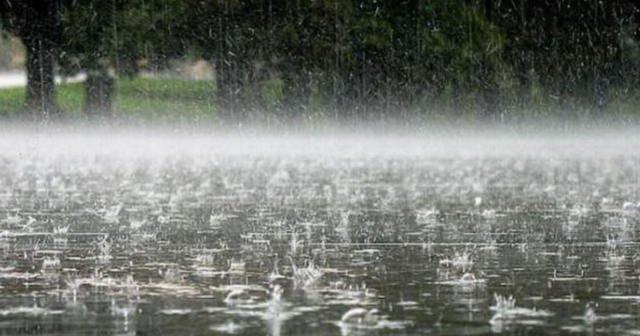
[346, 58]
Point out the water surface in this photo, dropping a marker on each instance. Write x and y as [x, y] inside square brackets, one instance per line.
[322, 235]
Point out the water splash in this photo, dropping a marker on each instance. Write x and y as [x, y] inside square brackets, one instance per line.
[462, 261]
[60, 235]
[506, 313]
[51, 264]
[104, 250]
[305, 277]
[358, 320]
[590, 317]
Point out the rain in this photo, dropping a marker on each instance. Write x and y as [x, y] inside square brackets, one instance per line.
[351, 167]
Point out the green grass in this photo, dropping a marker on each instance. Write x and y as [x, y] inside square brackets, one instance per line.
[146, 98]
[165, 98]
[168, 99]
[11, 101]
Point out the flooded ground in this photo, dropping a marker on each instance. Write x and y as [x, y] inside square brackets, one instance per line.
[274, 235]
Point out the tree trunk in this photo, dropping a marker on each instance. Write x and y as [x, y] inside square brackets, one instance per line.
[40, 36]
[99, 94]
[40, 99]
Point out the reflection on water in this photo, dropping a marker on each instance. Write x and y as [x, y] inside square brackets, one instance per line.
[377, 242]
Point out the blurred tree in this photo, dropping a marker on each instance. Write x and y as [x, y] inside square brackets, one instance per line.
[89, 44]
[104, 39]
[572, 49]
[217, 32]
[460, 53]
[37, 23]
[354, 57]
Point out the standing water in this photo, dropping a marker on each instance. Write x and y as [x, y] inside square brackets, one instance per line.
[323, 235]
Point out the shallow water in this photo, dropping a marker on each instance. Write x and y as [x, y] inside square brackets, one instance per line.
[201, 235]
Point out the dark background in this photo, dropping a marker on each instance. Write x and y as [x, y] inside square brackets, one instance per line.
[489, 59]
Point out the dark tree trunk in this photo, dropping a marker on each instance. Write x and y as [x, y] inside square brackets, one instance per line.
[40, 36]
[40, 98]
[99, 94]
[99, 85]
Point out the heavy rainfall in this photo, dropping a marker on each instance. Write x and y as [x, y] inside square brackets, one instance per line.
[319, 167]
